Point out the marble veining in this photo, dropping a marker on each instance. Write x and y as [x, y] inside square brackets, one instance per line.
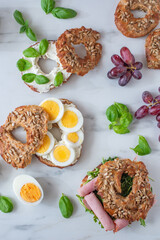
[92, 93]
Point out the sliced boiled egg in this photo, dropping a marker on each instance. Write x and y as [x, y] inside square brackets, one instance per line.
[27, 190]
[62, 155]
[54, 107]
[47, 146]
[74, 139]
[71, 121]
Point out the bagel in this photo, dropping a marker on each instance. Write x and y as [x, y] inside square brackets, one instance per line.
[153, 49]
[50, 54]
[34, 121]
[128, 204]
[70, 61]
[133, 27]
[74, 147]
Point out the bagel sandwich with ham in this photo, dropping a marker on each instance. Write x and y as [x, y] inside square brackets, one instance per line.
[117, 192]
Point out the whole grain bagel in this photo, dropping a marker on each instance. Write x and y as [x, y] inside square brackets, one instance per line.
[67, 55]
[133, 27]
[153, 49]
[34, 121]
[140, 199]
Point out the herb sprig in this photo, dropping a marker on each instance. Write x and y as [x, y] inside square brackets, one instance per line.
[143, 147]
[120, 117]
[25, 27]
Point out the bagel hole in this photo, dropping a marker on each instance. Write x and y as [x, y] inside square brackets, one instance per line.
[80, 50]
[19, 134]
[56, 133]
[126, 184]
[138, 13]
[46, 65]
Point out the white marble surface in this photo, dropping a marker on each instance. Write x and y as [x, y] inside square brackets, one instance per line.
[93, 93]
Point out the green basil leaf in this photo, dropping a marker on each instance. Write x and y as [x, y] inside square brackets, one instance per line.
[22, 29]
[30, 34]
[121, 108]
[63, 13]
[28, 77]
[112, 113]
[65, 206]
[6, 204]
[43, 46]
[143, 147]
[23, 64]
[126, 119]
[47, 5]
[40, 79]
[58, 79]
[31, 52]
[18, 17]
[142, 222]
[120, 129]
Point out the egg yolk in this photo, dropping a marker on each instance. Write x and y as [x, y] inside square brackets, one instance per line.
[30, 192]
[46, 143]
[61, 153]
[73, 137]
[69, 119]
[52, 108]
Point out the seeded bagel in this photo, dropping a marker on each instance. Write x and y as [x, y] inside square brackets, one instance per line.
[133, 27]
[153, 49]
[34, 121]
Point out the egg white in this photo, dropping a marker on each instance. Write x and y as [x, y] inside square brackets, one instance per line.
[63, 164]
[18, 183]
[72, 144]
[61, 109]
[52, 142]
[78, 125]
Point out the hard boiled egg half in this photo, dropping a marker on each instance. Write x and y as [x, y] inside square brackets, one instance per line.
[74, 139]
[71, 121]
[54, 107]
[27, 190]
[47, 146]
[62, 155]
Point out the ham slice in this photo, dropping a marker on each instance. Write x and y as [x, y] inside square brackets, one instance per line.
[86, 204]
[99, 211]
[120, 223]
[87, 188]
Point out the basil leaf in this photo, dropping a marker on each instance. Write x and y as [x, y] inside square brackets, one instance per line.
[28, 77]
[112, 113]
[40, 79]
[142, 222]
[58, 79]
[47, 5]
[63, 13]
[121, 108]
[30, 34]
[65, 206]
[23, 64]
[43, 46]
[6, 204]
[31, 52]
[126, 119]
[143, 147]
[120, 129]
[18, 17]
[22, 29]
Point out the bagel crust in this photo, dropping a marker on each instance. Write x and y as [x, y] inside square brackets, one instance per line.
[134, 206]
[133, 27]
[34, 121]
[153, 49]
[67, 55]
[46, 161]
